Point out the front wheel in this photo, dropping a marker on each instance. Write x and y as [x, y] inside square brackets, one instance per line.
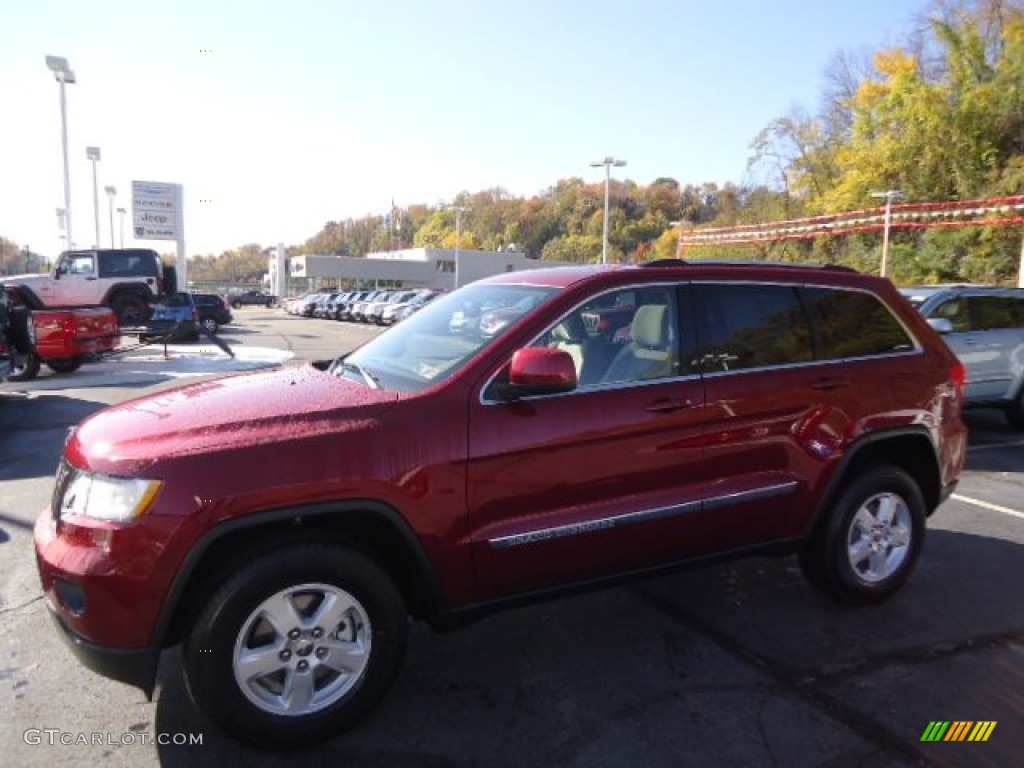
[297, 645]
[24, 365]
[209, 325]
[65, 364]
[871, 543]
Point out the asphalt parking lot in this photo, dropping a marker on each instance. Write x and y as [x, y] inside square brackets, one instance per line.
[736, 664]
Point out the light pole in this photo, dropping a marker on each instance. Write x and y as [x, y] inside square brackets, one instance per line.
[111, 191]
[889, 195]
[459, 210]
[93, 153]
[608, 162]
[62, 72]
[120, 214]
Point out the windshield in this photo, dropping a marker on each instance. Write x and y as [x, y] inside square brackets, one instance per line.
[436, 342]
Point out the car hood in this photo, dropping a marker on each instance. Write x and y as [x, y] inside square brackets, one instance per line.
[246, 410]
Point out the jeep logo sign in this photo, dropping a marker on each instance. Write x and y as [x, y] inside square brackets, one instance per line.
[156, 210]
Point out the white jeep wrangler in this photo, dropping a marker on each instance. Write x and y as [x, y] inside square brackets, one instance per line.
[127, 280]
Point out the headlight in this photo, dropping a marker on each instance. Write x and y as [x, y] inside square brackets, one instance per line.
[103, 497]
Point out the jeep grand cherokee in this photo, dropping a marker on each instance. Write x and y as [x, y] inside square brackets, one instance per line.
[283, 526]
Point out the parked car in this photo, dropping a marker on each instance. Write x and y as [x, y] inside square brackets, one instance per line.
[60, 338]
[6, 341]
[127, 280]
[214, 311]
[253, 298]
[176, 319]
[284, 525]
[984, 326]
[375, 311]
[394, 313]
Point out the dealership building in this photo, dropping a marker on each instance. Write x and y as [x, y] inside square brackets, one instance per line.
[437, 268]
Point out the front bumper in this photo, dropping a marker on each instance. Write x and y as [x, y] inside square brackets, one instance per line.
[134, 666]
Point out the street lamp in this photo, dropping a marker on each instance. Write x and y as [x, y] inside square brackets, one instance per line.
[459, 210]
[608, 162]
[93, 153]
[111, 191]
[120, 213]
[890, 195]
[62, 72]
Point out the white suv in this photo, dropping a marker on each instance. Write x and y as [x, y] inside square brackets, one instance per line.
[984, 326]
[127, 280]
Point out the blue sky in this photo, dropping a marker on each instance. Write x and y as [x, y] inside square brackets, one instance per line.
[284, 115]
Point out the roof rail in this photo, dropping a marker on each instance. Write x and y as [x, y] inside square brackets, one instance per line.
[751, 263]
[664, 263]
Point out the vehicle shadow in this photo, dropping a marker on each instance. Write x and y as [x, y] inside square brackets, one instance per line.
[688, 669]
[34, 430]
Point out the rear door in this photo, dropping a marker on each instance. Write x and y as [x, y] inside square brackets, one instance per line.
[785, 369]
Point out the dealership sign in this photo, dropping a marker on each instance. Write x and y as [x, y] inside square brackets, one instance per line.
[156, 210]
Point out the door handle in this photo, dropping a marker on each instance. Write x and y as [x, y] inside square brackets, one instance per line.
[668, 405]
[829, 384]
[91, 277]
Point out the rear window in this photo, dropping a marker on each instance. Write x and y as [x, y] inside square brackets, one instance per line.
[853, 324]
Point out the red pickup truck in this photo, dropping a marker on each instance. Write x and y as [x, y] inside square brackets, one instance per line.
[60, 338]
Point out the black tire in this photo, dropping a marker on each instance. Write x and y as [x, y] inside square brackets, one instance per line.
[270, 305]
[1015, 411]
[24, 360]
[273, 602]
[210, 325]
[24, 365]
[131, 309]
[236, 304]
[870, 544]
[65, 364]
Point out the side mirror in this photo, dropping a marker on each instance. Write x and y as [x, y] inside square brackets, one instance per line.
[539, 371]
[941, 324]
[58, 271]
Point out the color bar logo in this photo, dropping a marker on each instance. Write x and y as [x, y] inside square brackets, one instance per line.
[958, 730]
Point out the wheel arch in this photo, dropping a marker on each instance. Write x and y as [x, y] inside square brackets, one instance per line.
[372, 527]
[911, 449]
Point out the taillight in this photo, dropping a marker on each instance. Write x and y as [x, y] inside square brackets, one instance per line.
[958, 373]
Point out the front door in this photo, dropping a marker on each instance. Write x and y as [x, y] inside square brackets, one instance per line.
[603, 479]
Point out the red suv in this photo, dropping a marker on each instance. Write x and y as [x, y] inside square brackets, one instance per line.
[284, 526]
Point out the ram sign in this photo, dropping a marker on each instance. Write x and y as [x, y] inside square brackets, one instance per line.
[156, 210]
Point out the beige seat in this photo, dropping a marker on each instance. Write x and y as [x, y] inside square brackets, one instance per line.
[649, 353]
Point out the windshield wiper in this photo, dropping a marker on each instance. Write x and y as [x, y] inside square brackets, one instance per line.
[371, 381]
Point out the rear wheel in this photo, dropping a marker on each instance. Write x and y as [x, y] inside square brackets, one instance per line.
[872, 541]
[65, 364]
[297, 645]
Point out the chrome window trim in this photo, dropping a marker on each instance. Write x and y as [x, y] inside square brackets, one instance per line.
[641, 516]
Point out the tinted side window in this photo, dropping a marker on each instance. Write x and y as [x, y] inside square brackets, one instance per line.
[751, 326]
[853, 324]
[989, 313]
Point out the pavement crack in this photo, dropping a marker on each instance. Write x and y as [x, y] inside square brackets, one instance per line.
[924, 654]
[801, 684]
[20, 606]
